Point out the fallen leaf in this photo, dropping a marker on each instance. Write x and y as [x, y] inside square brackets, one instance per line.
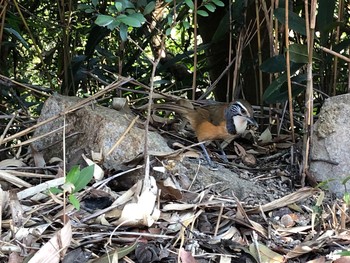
[55, 248]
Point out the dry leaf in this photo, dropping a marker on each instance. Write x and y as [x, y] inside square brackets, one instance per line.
[265, 137]
[54, 250]
[11, 163]
[98, 172]
[266, 254]
[186, 256]
[144, 211]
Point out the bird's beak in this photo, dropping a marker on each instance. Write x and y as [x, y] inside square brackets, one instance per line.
[253, 122]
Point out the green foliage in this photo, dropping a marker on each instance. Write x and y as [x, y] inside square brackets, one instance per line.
[76, 180]
[296, 23]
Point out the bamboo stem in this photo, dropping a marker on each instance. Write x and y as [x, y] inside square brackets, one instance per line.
[194, 83]
[290, 98]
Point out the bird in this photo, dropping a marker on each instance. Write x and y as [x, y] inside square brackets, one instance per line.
[214, 121]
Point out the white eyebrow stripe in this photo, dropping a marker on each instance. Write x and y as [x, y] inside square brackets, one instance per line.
[242, 107]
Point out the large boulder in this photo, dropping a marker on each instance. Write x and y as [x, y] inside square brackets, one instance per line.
[330, 152]
[93, 128]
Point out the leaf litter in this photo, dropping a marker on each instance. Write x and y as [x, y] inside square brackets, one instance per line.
[173, 217]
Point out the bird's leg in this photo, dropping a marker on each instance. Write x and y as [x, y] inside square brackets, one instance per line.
[207, 157]
[223, 155]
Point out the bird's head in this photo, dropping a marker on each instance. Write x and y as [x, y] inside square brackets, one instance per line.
[238, 115]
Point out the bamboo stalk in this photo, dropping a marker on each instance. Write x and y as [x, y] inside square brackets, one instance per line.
[259, 52]
[308, 121]
[290, 98]
[229, 51]
[194, 83]
[335, 62]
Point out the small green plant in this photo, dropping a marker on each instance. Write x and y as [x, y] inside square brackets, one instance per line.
[324, 185]
[76, 180]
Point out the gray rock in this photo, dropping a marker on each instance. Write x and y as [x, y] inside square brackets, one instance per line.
[95, 128]
[330, 153]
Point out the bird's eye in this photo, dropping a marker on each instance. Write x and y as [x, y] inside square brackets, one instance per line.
[243, 111]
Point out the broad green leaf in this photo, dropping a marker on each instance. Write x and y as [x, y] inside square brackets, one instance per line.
[190, 4]
[149, 8]
[202, 13]
[104, 20]
[218, 3]
[85, 177]
[119, 6]
[123, 32]
[73, 175]
[222, 29]
[138, 16]
[277, 91]
[295, 22]
[89, 10]
[274, 64]
[210, 7]
[126, 4]
[186, 24]
[94, 2]
[83, 6]
[299, 54]
[18, 36]
[168, 31]
[74, 201]
[325, 16]
[129, 21]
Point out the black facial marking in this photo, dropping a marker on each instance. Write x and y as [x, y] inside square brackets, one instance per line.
[230, 126]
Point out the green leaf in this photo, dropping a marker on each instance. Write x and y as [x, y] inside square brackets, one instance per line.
[210, 7]
[18, 36]
[325, 16]
[119, 6]
[104, 20]
[89, 10]
[190, 4]
[149, 8]
[345, 253]
[202, 13]
[295, 22]
[168, 31]
[94, 2]
[73, 175]
[218, 3]
[138, 16]
[346, 198]
[74, 201]
[55, 190]
[277, 91]
[123, 32]
[126, 4]
[85, 177]
[222, 29]
[298, 53]
[129, 21]
[274, 64]
[186, 24]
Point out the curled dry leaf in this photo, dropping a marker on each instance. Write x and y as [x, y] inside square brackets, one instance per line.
[98, 172]
[55, 248]
[11, 163]
[144, 211]
[265, 137]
